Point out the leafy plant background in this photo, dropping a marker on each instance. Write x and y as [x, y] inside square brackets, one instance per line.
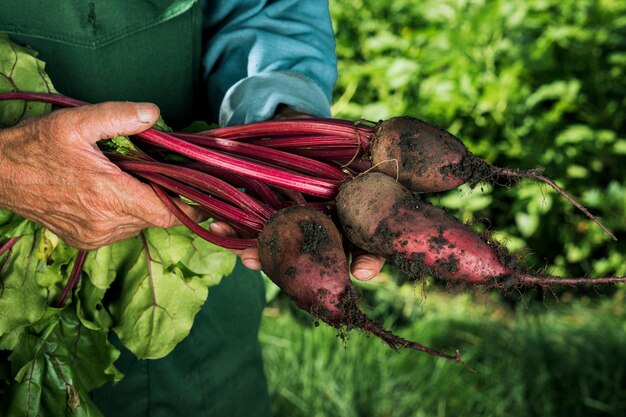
[538, 83]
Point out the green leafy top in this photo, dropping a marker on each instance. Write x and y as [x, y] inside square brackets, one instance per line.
[20, 70]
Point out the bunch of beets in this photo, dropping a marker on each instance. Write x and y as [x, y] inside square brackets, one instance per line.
[302, 190]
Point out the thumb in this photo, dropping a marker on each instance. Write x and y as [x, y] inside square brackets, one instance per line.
[366, 266]
[106, 120]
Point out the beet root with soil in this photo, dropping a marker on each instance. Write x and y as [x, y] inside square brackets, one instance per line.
[301, 251]
[381, 216]
[426, 158]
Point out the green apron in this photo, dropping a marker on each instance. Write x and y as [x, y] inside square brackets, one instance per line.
[149, 50]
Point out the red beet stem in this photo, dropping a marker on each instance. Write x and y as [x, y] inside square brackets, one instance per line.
[277, 157]
[8, 244]
[310, 126]
[339, 154]
[77, 270]
[300, 141]
[58, 100]
[236, 217]
[224, 242]
[205, 182]
[6, 248]
[272, 175]
[252, 186]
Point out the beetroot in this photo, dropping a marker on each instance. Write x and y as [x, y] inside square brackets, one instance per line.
[425, 158]
[420, 155]
[381, 216]
[301, 251]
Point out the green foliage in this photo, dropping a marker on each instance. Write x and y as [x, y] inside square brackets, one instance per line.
[20, 70]
[163, 287]
[23, 301]
[57, 368]
[539, 83]
[146, 289]
[565, 360]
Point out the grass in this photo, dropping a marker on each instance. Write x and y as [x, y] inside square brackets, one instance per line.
[538, 359]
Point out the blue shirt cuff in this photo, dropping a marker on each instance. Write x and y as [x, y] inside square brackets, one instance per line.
[256, 98]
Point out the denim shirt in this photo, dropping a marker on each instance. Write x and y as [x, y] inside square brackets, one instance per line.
[262, 53]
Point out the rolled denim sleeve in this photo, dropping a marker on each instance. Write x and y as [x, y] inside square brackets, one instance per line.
[262, 53]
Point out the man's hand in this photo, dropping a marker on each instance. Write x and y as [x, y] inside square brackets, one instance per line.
[52, 172]
[364, 266]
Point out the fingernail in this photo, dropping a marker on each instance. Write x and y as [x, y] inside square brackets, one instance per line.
[146, 112]
[251, 263]
[216, 228]
[363, 274]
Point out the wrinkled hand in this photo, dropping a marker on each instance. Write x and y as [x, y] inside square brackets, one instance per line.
[53, 173]
[364, 266]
